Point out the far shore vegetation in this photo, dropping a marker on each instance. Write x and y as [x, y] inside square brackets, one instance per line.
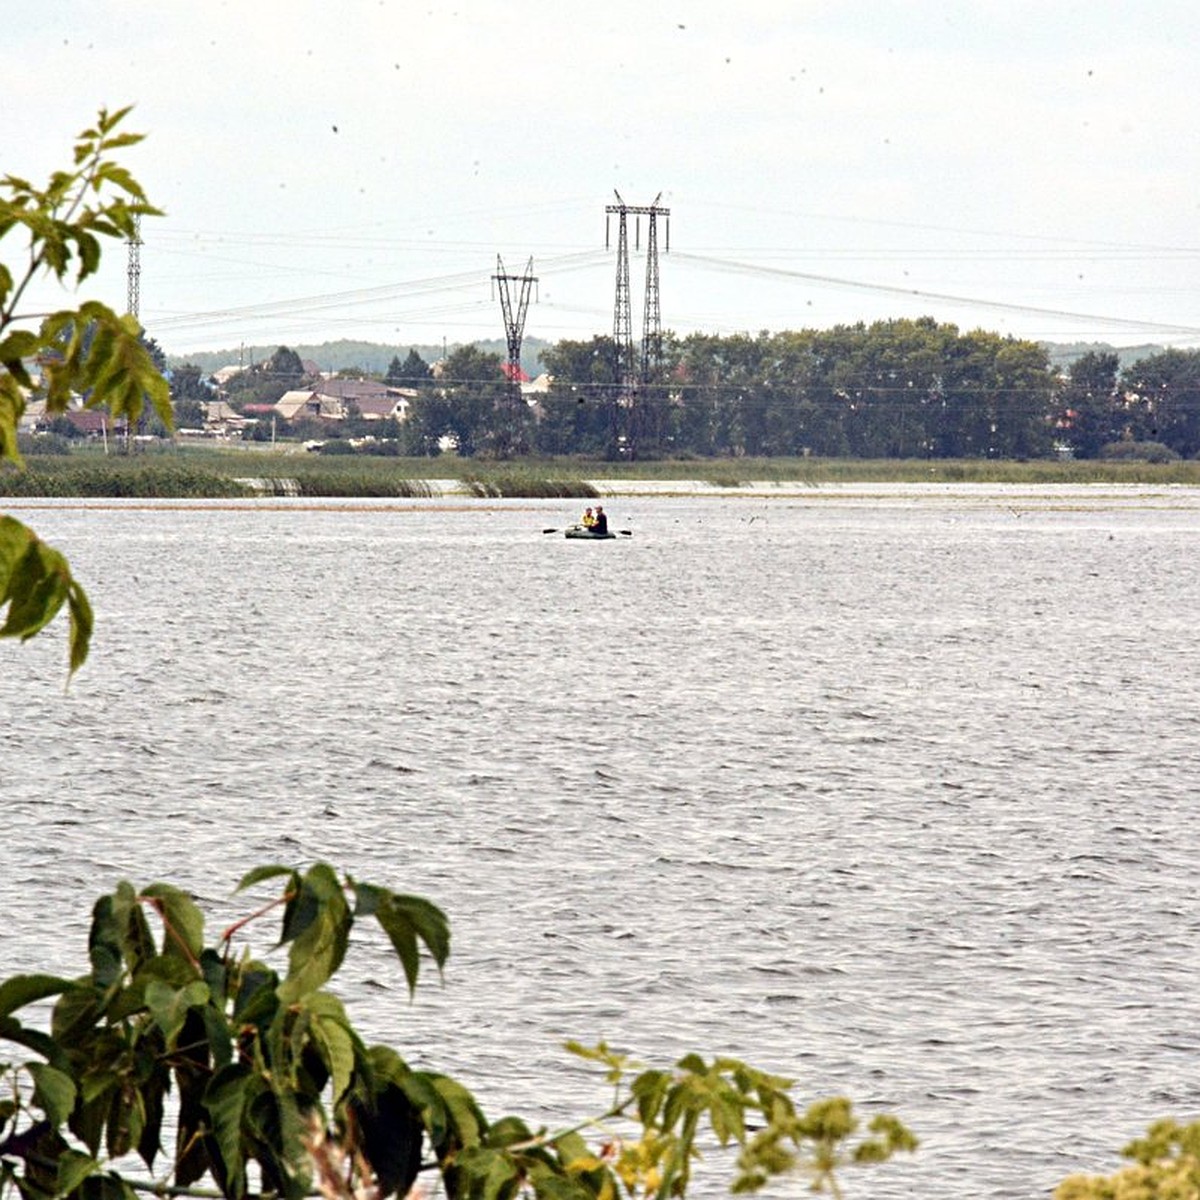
[213, 473]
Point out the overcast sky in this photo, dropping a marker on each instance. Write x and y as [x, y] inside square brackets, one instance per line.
[354, 169]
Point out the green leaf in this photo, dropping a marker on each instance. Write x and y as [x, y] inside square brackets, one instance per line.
[37, 587]
[118, 176]
[104, 943]
[27, 989]
[13, 1031]
[225, 1101]
[728, 1120]
[76, 1011]
[271, 871]
[54, 1092]
[89, 255]
[34, 582]
[216, 1029]
[490, 1174]
[466, 1124]
[12, 405]
[73, 1169]
[317, 923]
[392, 1134]
[337, 1046]
[17, 344]
[405, 919]
[508, 1131]
[650, 1088]
[184, 932]
[82, 621]
[169, 1006]
[132, 929]
[423, 1095]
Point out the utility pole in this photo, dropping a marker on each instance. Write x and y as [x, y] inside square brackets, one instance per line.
[509, 439]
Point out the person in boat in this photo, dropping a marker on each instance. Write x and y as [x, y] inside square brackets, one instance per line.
[599, 520]
[589, 519]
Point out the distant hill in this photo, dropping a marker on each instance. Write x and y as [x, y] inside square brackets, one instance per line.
[372, 357]
[375, 357]
[1063, 354]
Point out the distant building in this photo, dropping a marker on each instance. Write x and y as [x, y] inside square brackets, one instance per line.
[94, 422]
[337, 399]
[305, 402]
[220, 420]
[223, 375]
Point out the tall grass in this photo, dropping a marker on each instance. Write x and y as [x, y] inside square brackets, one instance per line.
[190, 473]
[358, 481]
[117, 477]
[529, 484]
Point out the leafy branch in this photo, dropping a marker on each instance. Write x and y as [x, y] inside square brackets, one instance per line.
[267, 1080]
[88, 355]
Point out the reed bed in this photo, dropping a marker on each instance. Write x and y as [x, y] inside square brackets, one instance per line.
[529, 485]
[218, 474]
[353, 481]
[72, 476]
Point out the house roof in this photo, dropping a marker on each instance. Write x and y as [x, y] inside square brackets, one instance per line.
[381, 406]
[307, 401]
[89, 420]
[218, 410]
[351, 389]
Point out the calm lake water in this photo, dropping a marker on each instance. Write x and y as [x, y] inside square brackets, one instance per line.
[891, 790]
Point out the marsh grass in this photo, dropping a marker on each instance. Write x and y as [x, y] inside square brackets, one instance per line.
[189, 472]
[355, 481]
[529, 485]
[133, 477]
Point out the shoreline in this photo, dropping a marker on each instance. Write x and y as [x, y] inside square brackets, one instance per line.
[452, 495]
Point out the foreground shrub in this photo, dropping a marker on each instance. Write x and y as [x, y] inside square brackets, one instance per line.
[263, 1078]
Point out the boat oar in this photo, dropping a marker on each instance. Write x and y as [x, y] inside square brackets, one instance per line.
[549, 530]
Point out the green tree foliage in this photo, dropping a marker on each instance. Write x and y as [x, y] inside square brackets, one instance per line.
[894, 389]
[581, 413]
[1092, 409]
[267, 381]
[1162, 395]
[462, 407]
[86, 355]
[189, 393]
[412, 372]
[1165, 1166]
[264, 1080]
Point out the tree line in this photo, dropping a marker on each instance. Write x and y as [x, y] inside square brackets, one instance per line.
[893, 389]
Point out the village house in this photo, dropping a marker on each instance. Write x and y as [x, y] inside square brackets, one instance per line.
[337, 399]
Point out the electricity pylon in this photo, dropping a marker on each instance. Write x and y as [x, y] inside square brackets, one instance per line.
[630, 373]
[509, 439]
[133, 271]
[514, 318]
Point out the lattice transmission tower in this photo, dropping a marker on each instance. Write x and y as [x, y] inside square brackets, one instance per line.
[509, 437]
[631, 371]
[133, 271]
[514, 315]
